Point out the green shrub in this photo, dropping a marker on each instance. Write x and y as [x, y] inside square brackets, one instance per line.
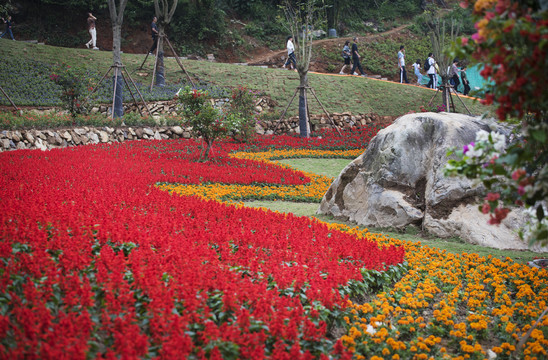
[242, 116]
[74, 83]
[199, 113]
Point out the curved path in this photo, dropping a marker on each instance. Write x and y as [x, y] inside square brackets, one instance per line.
[267, 58]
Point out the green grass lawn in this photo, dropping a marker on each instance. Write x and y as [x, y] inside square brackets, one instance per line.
[333, 167]
[337, 93]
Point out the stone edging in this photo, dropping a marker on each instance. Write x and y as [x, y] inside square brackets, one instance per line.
[84, 135]
[59, 138]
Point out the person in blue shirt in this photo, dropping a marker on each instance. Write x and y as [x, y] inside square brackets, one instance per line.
[8, 28]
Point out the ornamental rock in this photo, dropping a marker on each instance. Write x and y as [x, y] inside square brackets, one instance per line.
[399, 181]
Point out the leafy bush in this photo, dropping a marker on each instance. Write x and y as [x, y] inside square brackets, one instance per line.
[511, 42]
[74, 83]
[242, 114]
[199, 113]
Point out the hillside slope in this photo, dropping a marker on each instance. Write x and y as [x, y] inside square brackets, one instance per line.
[337, 93]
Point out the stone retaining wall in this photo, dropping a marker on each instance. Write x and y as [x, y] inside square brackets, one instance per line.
[318, 122]
[48, 139]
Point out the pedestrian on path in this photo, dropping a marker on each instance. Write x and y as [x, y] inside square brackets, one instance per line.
[92, 32]
[433, 83]
[8, 28]
[154, 32]
[417, 67]
[401, 65]
[291, 59]
[465, 81]
[454, 74]
[346, 56]
[356, 58]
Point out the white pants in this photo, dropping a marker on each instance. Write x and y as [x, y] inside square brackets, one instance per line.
[93, 41]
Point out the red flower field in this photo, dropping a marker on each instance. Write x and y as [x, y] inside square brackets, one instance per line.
[98, 262]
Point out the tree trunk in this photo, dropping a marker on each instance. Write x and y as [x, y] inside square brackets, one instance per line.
[117, 81]
[160, 68]
[208, 148]
[304, 126]
[116, 44]
[446, 93]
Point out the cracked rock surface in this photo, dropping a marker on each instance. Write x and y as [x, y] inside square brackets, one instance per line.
[398, 181]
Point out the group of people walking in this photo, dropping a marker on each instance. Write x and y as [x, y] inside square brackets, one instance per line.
[430, 66]
[432, 71]
[354, 54]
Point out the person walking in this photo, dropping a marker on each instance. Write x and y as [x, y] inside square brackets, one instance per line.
[92, 32]
[346, 56]
[417, 67]
[433, 83]
[454, 74]
[465, 81]
[401, 65]
[291, 59]
[356, 58]
[8, 28]
[154, 32]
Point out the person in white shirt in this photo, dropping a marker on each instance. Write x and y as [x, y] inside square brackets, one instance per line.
[291, 60]
[401, 65]
[433, 83]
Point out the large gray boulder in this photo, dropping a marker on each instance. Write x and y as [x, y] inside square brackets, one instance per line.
[398, 181]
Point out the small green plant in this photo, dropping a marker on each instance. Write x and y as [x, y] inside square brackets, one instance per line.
[74, 84]
[199, 113]
[242, 115]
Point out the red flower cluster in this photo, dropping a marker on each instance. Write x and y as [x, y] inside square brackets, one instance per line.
[96, 261]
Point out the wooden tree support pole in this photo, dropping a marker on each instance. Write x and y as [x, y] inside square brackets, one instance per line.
[283, 114]
[97, 87]
[138, 92]
[156, 61]
[131, 92]
[462, 102]
[119, 71]
[326, 113]
[144, 61]
[9, 99]
[114, 91]
[179, 62]
[430, 102]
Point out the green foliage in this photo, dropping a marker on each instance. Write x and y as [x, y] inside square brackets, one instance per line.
[422, 24]
[242, 115]
[199, 113]
[74, 83]
[195, 22]
[511, 42]
[354, 13]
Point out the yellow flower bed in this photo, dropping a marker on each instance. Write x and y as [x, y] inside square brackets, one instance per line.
[448, 306]
[455, 297]
[312, 192]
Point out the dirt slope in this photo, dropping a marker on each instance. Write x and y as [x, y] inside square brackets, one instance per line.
[265, 56]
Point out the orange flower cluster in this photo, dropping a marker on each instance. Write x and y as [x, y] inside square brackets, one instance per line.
[467, 299]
